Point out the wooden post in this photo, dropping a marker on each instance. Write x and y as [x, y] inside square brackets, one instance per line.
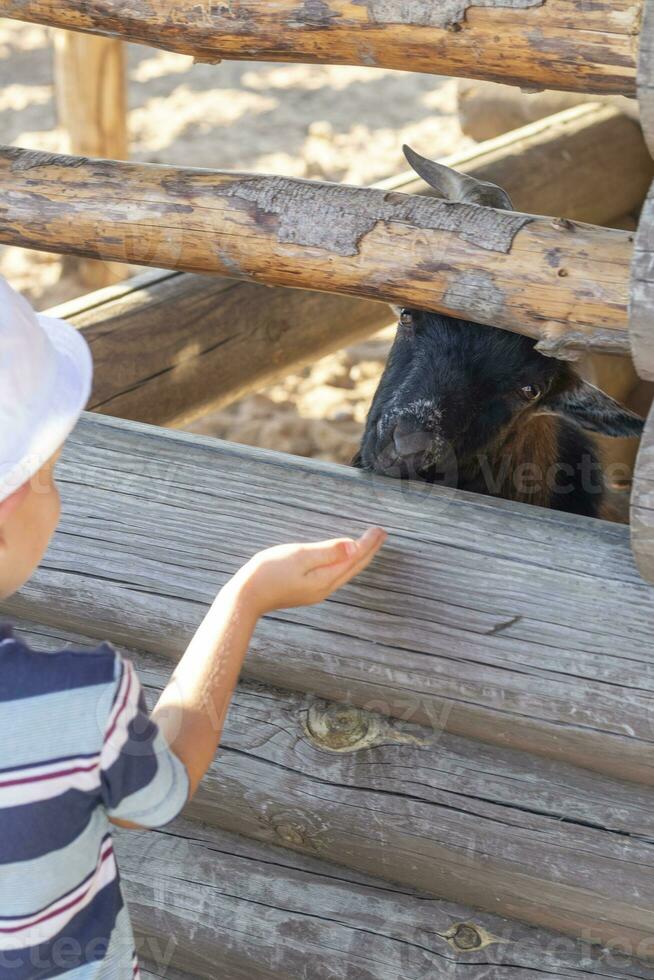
[645, 76]
[642, 503]
[565, 44]
[91, 94]
[562, 282]
[641, 307]
[641, 327]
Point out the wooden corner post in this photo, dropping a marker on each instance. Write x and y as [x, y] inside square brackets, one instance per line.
[91, 95]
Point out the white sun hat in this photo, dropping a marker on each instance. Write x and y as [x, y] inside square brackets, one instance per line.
[45, 382]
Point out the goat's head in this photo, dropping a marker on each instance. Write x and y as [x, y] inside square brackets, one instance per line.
[452, 390]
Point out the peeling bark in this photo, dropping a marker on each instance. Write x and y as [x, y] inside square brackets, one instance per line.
[316, 13]
[426, 13]
[331, 223]
[488, 300]
[24, 160]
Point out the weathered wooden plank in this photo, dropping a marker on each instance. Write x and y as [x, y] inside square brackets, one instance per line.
[243, 911]
[588, 163]
[642, 503]
[645, 72]
[641, 306]
[90, 77]
[566, 44]
[504, 830]
[520, 626]
[170, 346]
[547, 843]
[487, 109]
[257, 912]
[564, 283]
[176, 345]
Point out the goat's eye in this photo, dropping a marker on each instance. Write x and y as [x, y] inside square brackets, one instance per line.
[405, 318]
[530, 392]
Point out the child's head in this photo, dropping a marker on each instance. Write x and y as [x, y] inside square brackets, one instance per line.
[45, 380]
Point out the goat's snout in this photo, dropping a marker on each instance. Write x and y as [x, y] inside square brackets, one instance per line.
[411, 446]
[409, 440]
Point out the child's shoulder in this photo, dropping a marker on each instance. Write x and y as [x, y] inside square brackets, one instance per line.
[27, 672]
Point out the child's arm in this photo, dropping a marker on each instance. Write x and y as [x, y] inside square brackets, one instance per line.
[191, 711]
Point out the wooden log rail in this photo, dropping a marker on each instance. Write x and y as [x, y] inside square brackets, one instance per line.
[343, 917]
[498, 621]
[542, 842]
[562, 282]
[641, 326]
[505, 831]
[566, 44]
[170, 346]
[198, 901]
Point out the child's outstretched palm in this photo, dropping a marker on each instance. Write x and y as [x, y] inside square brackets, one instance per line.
[304, 574]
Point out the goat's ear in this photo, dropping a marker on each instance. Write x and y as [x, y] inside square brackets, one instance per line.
[454, 186]
[592, 409]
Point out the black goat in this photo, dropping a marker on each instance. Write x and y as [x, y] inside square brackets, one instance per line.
[480, 408]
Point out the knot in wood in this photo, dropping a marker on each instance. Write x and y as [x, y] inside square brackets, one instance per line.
[467, 937]
[341, 727]
[464, 936]
[290, 834]
[296, 828]
[564, 224]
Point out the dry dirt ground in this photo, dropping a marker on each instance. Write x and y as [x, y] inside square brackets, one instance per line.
[336, 123]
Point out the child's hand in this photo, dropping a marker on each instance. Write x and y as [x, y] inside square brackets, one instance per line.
[192, 710]
[303, 574]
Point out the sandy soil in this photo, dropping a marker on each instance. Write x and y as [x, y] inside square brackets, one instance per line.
[337, 123]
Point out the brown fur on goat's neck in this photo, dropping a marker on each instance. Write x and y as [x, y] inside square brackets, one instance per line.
[525, 456]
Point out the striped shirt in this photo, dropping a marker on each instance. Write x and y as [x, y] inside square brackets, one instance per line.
[76, 747]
